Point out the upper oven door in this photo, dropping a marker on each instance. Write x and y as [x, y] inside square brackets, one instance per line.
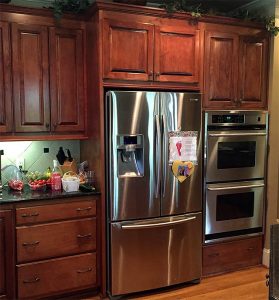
[235, 155]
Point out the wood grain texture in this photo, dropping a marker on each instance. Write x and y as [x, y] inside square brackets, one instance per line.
[177, 55]
[55, 239]
[7, 259]
[248, 284]
[67, 80]
[128, 50]
[30, 78]
[230, 256]
[57, 276]
[52, 212]
[5, 79]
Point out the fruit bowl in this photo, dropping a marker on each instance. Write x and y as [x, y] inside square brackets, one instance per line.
[37, 186]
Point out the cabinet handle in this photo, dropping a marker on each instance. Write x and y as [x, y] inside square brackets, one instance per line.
[85, 270]
[47, 125]
[150, 75]
[84, 209]
[157, 74]
[83, 236]
[36, 214]
[30, 244]
[33, 280]
[214, 254]
[250, 248]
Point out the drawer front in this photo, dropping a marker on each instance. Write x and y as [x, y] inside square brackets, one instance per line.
[231, 256]
[55, 212]
[55, 239]
[57, 276]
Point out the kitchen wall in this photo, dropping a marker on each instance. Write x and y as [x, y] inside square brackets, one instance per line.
[33, 154]
[273, 158]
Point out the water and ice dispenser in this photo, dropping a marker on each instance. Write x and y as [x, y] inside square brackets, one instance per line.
[130, 155]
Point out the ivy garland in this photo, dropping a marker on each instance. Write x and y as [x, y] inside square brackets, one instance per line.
[72, 6]
[243, 14]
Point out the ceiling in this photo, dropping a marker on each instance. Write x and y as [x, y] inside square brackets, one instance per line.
[266, 6]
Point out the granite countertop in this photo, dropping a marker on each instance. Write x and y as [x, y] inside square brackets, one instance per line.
[9, 196]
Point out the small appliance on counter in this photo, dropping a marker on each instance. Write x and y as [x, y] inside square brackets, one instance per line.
[235, 162]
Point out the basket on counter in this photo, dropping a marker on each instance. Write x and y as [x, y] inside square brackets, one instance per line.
[70, 182]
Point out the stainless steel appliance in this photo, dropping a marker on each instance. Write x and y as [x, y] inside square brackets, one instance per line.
[154, 222]
[235, 145]
[235, 156]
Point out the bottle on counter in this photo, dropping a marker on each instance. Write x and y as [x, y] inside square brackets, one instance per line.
[56, 180]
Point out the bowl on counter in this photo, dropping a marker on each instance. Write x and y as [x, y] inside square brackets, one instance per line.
[37, 187]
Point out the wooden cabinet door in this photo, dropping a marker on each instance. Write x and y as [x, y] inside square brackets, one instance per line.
[127, 50]
[30, 78]
[253, 68]
[176, 54]
[67, 80]
[7, 265]
[5, 79]
[220, 69]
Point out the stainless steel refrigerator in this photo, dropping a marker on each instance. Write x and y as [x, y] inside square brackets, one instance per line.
[154, 223]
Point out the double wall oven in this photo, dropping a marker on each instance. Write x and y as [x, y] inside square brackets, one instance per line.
[235, 159]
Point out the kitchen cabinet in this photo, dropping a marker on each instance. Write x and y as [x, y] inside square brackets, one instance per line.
[232, 255]
[235, 68]
[5, 79]
[7, 269]
[56, 248]
[67, 80]
[144, 50]
[48, 64]
[30, 78]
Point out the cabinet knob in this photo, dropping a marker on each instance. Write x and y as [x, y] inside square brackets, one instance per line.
[150, 75]
[47, 125]
[157, 74]
[85, 270]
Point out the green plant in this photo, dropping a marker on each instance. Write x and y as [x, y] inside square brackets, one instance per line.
[196, 11]
[73, 6]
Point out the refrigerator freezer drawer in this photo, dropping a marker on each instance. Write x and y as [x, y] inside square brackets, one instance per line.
[154, 253]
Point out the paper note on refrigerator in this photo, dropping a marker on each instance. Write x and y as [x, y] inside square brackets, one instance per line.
[183, 146]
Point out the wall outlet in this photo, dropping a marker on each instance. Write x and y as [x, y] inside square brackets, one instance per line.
[20, 163]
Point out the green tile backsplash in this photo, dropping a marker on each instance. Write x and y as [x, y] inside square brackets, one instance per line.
[33, 153]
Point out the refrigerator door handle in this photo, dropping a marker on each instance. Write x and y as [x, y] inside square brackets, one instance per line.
[148, 224]
[158, 155]
[165, 153]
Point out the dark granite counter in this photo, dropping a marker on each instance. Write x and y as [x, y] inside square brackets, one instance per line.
[9, 196]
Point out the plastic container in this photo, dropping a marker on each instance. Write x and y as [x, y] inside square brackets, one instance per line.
[56, 177]
[70, 184]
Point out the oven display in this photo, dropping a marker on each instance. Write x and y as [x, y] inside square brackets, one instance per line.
[230, 119]
[236, 155]
[235, 206]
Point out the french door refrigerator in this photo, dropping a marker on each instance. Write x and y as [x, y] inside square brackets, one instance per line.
[154, 223]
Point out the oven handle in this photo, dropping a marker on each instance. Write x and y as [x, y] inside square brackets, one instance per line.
[235, 187]
[236, 134]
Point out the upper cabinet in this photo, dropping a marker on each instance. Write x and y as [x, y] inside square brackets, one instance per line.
[144, 49]
[42, 76]
[5, 79]
[67, 80]
[30, 78]
[235, 68]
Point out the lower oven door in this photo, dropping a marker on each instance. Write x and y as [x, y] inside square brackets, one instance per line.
[235, 155]
[233, 209]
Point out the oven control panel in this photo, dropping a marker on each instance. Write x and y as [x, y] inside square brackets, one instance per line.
[236, 118]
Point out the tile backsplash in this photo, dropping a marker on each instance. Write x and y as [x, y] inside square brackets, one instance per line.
[33, 154]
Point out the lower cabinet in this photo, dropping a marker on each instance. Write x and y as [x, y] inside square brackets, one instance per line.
[56, 252]
[231, 256]
[7, 273]
[54, 276]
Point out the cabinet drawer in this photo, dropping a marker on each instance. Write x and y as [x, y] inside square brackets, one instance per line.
[55, 239]
[55, 212]
[56, 276]
[233, 255]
